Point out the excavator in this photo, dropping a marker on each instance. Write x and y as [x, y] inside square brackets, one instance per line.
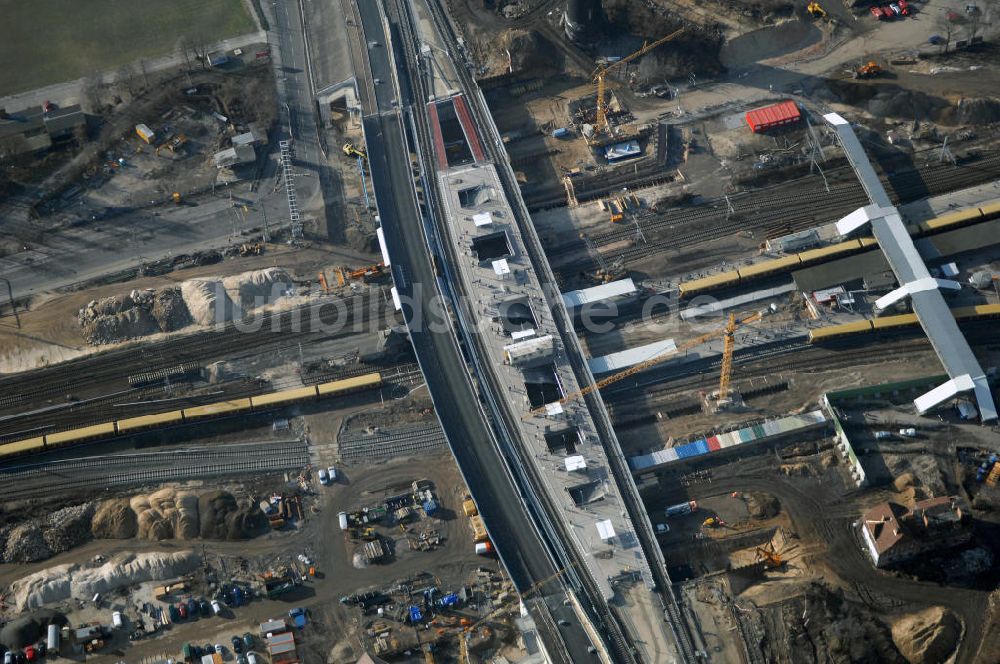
[772, 559]
[870, 69]
[727, 361]
[345, 274]
[601, 123]
[351, 151]
[816, 10]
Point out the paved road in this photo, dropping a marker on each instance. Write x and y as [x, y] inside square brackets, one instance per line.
[444, 367]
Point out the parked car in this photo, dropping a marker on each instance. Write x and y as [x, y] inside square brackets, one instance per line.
[182, 610]
[216, 607]
[324, 478]
[205, 608]
[332, 472]
[117, 621]
[192, 607]
[248, 640]
[237, 645]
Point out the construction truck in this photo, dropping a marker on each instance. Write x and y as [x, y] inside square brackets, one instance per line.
[351, 150]
[870, 69]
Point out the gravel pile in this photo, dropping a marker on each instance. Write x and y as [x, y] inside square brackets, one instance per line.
[68, 527]
[26, 544]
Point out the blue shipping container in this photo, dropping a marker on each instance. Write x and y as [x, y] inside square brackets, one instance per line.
[686, 451]
[702, 446]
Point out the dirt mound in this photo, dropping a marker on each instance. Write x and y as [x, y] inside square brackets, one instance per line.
[28, 629]
[130, 324]
[114, 519]
[257, 288]
[61, 582]
[904, 481]
[762, 505]
[223, 518]
[927, 637]
[169, 310]
[529, 51]
[207, 301]
[978, 111]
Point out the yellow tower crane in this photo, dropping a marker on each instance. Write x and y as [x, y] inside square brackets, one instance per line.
[642, 366]
[601, 72]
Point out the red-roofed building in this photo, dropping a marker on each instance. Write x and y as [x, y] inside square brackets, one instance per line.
[776, 115]
[894, 534]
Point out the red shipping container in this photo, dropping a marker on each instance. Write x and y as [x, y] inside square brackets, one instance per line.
[713, 443]
[776, 115]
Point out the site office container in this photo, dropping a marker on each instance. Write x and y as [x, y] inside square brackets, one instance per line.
[776, 115]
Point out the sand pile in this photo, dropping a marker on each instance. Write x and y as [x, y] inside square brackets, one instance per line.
[208, 302]
[172, 514]
[205, 301]
[762, 505]
[114, 519]
[61, 582]
[927, 637]
[257, 287]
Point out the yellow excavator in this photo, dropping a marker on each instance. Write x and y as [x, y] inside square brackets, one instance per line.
[351, 150]
[816, 10]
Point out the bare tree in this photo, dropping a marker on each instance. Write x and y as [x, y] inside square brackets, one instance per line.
[126, 78]
[974, 16]
[91, 92]
[145, 73]
[946, 24]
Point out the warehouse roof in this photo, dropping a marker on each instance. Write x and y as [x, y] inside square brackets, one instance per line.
[630, 357]
[608, 291]
[915, 279]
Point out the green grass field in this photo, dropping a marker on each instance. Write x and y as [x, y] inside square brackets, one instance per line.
[51, 41]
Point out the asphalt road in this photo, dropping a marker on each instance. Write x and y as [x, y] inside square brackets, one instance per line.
[443, 366]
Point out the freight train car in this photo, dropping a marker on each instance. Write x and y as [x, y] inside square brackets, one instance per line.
[945, 222]
[131, 425]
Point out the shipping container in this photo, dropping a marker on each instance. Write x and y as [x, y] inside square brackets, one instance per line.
[52, 642]
[701, 446]
[483, 548]
[713, 443]
[681, 509]
[469, 507]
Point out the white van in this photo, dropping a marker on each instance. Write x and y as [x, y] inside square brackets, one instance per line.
[252, 658]
[216, 607]
[116, 620]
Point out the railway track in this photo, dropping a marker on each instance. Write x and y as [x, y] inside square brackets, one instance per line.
[776, 212]
[48, 478]
[151, 400]
[388, 444]
[792, 355]
[282, 330]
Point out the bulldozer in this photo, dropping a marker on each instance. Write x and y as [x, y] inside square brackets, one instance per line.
[351, 151]
[870, 69]
[816, 10]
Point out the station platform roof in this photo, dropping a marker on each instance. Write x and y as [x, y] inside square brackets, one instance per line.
[928, 303]
[609, 291]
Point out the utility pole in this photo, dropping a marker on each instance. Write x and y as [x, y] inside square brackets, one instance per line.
[13, 305]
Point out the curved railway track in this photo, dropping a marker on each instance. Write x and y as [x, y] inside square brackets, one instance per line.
[277, 331]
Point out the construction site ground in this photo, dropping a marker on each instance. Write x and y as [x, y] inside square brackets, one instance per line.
[48, 332]
[817, 508]
[318, 536]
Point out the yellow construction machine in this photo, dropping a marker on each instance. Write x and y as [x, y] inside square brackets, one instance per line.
[870, 69]
[351, 150]
[817, 10]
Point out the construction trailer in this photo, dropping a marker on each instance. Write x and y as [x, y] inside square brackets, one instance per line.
[771, 117]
